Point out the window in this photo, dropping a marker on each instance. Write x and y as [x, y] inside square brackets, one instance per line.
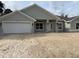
[39, 25]
[77, 25]
[60, 25]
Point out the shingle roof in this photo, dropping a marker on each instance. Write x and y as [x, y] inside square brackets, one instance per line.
[16, 13]
[68, 18]
[45, 11]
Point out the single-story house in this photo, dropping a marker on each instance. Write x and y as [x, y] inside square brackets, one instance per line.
[31, 19]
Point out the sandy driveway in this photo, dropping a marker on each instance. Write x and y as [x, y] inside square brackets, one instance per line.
[40, 45]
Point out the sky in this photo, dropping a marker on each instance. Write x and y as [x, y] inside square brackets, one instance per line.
[70, 8]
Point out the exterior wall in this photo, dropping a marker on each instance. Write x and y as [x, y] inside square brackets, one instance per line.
[48, 27]
[67, 26]
[17, 27]
[64, 29]
[73, 25]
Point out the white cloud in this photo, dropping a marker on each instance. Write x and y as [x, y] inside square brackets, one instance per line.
[9, 4]
[54, 7]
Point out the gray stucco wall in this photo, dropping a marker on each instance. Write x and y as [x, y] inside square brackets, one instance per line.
[67, 26]
[64, 29]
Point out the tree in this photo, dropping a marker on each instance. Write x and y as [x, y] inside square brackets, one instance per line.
[1, 5]
[1, 8]
[7, 11]
[1, 11]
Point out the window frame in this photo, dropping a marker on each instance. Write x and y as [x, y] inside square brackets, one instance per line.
[40, 27]
[60, 26]
[76, 26]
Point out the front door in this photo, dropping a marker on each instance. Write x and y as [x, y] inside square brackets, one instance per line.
[52, 26]
[39, 26]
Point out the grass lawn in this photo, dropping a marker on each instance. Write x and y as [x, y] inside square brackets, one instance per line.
[40, 45]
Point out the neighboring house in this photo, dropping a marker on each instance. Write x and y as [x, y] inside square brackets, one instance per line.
[32, 19]
[74, 24]
[66, 21]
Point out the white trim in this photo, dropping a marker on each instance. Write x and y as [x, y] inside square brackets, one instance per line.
[39, 28]
[74, 18]
[20, 13]
[73, 30]
[75, 25]
[17, 21]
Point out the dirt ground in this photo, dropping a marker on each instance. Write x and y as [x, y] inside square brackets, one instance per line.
[39, 45]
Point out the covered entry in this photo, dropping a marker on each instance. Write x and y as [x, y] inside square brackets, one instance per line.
[52, 24]
[44, 26]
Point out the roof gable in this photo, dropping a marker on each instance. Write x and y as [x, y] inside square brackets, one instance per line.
[16, 16]
[38, 12]
[75, 18]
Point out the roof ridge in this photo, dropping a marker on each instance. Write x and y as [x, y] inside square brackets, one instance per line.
[26, 15]
[41, 8]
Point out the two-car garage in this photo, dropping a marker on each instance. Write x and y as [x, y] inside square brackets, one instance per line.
[17, 27]
[17, 22]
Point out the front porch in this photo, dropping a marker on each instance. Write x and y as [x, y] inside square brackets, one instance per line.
[48, 26]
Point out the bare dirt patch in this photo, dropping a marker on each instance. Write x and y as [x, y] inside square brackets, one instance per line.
[41, 45]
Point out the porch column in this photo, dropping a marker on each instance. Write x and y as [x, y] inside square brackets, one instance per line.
[56, 26]
[47, 21]
[47, 25]
[33, 29]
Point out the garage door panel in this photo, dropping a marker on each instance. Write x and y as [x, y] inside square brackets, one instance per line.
[17, 27]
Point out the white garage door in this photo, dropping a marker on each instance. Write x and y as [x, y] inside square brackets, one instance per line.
[17, 27]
